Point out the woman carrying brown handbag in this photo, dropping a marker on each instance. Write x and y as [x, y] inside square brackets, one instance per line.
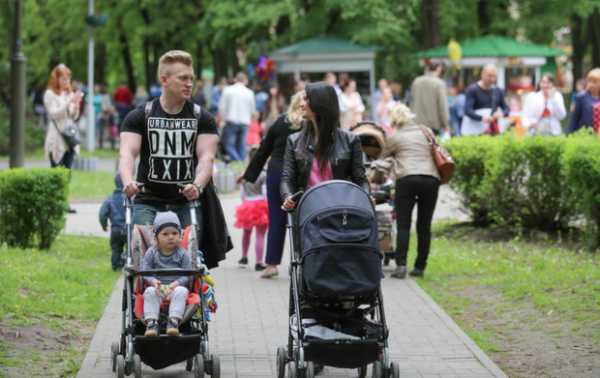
[407, 158]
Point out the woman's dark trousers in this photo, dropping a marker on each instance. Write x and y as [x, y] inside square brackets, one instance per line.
[277, 217]
[421, 190]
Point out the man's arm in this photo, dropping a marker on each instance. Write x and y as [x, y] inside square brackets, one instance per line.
[131, 144]
[206, 149]
[443, 110]
[470, 105]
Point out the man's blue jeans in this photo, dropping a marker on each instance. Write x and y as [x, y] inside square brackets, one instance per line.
[234, 140]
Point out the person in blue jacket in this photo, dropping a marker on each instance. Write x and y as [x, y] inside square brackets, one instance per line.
[583, 113]
[113, 210]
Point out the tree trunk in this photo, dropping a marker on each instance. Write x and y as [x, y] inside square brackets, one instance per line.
[431, 23]
[594, 31]
[578, 41]
[147, 45]
[100, 63]
[235, 64]
[199, 59]
[483, 16]
[127, 61]
[219, 63]
[156, 53]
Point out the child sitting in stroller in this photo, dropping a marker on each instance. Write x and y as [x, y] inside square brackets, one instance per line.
[166, 254]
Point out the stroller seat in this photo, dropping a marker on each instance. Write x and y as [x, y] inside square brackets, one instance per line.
[142, 239]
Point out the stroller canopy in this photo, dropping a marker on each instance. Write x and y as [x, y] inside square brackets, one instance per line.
[332, 194]
[337, 240]
[372, 138]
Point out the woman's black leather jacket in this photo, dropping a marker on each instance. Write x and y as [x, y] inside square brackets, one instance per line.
[346, 161]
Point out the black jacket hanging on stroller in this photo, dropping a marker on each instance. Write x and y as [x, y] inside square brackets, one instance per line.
[338, 243]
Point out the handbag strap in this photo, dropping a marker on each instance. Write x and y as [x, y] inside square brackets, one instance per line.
[56, 127]
[429, 135]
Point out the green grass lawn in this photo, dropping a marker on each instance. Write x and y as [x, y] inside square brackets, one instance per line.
[504, 292]
[87, 186]
[38, 154]
[49, 304]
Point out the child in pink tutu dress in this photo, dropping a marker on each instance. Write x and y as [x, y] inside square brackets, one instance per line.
[253, 213]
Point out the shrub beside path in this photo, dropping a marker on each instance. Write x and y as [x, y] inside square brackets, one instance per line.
[252, 319]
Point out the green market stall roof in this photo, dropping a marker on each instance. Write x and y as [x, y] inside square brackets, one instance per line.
[493, 46]
[325, 45]
[326, 53]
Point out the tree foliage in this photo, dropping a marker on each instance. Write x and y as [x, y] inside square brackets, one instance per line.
[226, 34]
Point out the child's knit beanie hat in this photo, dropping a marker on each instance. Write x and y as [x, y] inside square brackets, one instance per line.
[166, 219]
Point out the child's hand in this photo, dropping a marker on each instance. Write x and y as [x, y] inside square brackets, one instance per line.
[157, 286]
[172, 287]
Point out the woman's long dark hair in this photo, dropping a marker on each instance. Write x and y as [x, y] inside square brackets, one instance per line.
[323, 101]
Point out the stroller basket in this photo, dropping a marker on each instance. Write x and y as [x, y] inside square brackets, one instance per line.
[160, 352]
[345, 354]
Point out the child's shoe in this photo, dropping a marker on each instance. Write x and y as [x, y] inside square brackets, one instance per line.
[259, 267]
[243, 261]
[173, 327]
[151, 328]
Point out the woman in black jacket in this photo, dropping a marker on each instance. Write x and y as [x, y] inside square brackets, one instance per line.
[273, 146]
[321, 151]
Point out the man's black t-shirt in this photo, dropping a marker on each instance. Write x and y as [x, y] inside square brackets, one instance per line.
[168, 151]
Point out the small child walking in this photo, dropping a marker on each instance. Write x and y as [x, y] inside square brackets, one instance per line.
[113, 210]
[253, 213]
[166, 254]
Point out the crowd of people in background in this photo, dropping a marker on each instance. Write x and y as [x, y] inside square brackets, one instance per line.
[254, 121]
[246, 110]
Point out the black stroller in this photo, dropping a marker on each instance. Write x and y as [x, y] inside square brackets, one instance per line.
[336, 305]
[191, 345]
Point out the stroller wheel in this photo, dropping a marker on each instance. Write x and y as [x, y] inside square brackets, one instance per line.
[198, 366]
[362, 371]
[215, 366]
[137, 366]
[309, 372]
[120, 366]
[377, 370]
[395, 370]
[291, 370]
[189, 364]
[114, 351]
[281, 361]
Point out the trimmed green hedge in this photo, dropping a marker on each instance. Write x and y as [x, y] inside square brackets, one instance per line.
[538, 183]
[32, 206]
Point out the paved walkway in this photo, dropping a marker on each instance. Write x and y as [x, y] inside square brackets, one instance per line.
[252, 321]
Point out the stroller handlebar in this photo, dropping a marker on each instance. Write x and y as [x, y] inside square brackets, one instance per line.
[165, 272]
[296, 196]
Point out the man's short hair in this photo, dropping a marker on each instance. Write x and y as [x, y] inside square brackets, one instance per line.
[241, 77]
[433, 66]
[171, 57]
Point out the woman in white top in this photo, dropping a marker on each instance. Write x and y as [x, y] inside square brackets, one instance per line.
[354, 106]
[544, 109]
[62, 107]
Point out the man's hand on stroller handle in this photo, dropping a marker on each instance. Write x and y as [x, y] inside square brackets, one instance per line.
[190, 191]
[132, 188]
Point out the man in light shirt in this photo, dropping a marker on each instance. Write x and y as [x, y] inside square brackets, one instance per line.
[236, 106]
[430, 100]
